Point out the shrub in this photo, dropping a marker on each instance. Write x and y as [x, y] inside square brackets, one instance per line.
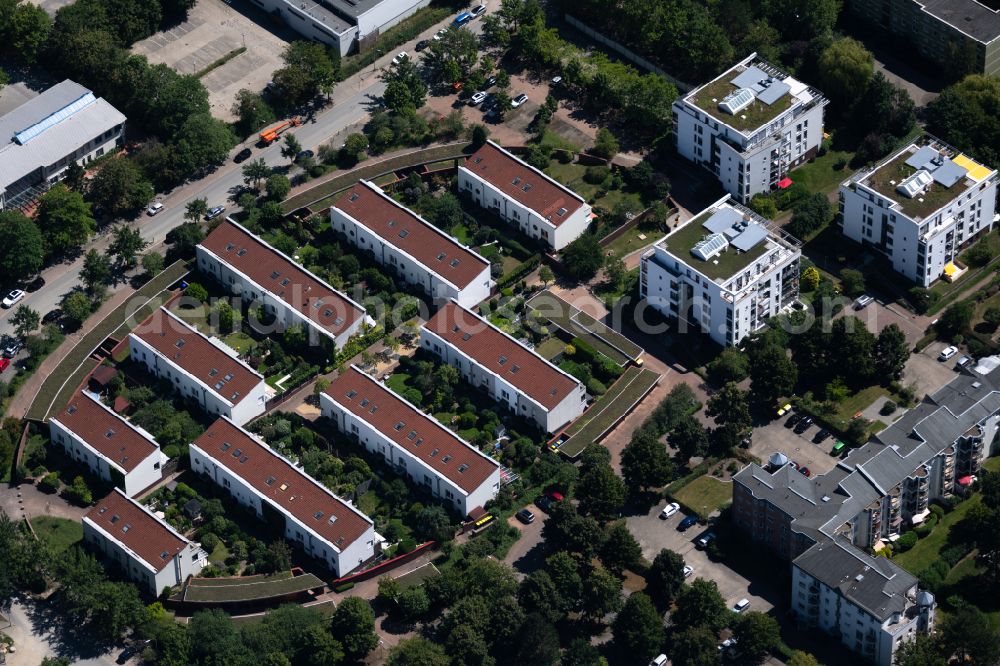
[406, 545]
[343, 587]
[596, 386]
[197, 292]
[906, 542]
[50, 482]
[887, 408]
[595, 175]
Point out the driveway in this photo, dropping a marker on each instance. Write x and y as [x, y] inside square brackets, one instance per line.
[927, 372]
[39, 633]
[27, 501]
[654, 534]
[526, 555]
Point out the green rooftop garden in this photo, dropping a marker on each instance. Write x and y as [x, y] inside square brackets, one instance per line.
[885, 179]
[724, 265]
[749, 119]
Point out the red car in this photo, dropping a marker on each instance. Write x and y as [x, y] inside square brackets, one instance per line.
[805, 470]
[4, 363]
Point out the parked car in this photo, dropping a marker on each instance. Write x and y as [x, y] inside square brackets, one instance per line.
[784, 409]
[154, 209]
[686, 523]
[947, 353]
[525, 516]
[215, 212]
[741, 605]
[303, 154]
[659, 660]
[670, 510]
[243, 155]
[12, 298]
[727, 644]
[478, 98]
[548, 500]
[35, 285]
[131, 651]
[838, 448]
[687, 570]
[52, 316]
[792, 420]
[518, 101]
[863, 301]
[803, 424]
[705, 539]
[556, 80]
[439, 34]
[478, 11]
[4, 363]
[805, 470]
[490, 82]
[963, 361]
[13, 347]
[462, 19]
[400, 57]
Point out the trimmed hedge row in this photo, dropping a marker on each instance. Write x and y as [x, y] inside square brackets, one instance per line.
[520, 272]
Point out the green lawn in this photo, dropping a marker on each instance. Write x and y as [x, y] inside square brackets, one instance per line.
[239, 341]
[553, 140]
[571, 175]
[857, 402]
[821, 175]
[58, 533]
[704, 495]
[929, 548]
[398, 382]
[220, 554]
[629, 242]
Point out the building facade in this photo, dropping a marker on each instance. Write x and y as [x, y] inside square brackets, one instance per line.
[323, 525]
[725, 272]
[66, 123]
[253, 270]
[750, 126]
[920, 207]
[513, 375]
[411, 442]
[963, 36]
[110, 447]
[523, 196]
[413, 249]
[146, 548]
[200, 369]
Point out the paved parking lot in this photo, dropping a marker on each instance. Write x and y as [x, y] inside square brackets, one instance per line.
[654, 534]
[798, 447]
[212, 30]
[879, 314]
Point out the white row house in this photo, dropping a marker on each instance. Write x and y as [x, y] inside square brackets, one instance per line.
[110, 447]
[199, 368]
[410, 441]
[248, 267]
[147, 549]
[524, 197]
[323, 525]
[415, 250]
[515, 376]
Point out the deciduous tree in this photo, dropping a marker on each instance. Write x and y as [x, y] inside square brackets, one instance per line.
[638, 629]
[66, 219]
[22, 248]
[25, 321]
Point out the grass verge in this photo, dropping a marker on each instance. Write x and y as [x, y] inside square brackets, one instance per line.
[928, 549]
[705, 495]
[57, 533]
[220, 62]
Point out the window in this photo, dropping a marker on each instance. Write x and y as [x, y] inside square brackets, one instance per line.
[462, 468]
[446, 459]
[399, 426]
[270, 480]
[351, 393]
[354, 196]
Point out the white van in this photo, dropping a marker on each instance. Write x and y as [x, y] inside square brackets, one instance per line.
[741, 605]
[659, 660]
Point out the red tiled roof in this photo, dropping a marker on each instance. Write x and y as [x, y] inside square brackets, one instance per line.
[196, 355]
[421, 435]
[501, 354]
[511, 176]
[114, 437]
[400, 228]
[290, 488]
[276, 273]
[139, 530]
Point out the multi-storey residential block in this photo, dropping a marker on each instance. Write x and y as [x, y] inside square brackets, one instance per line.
[146, 548]
[920, 207]
[344, 24]
[725, 272]
[109, 446]
[199, 368]
[750, 126]
[323, 525]
[415, 250]
[42, 136]
[962, 36]
[411, 442]
[523, 196]
[249, 267]
[515, 376]
[871, 604]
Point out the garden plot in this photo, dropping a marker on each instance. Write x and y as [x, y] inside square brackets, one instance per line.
[576, 323]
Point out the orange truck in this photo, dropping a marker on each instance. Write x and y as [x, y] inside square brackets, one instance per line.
[271, 134]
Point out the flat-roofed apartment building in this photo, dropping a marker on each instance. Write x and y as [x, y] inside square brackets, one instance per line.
[953, 33]
[414, 249]
[248, 267]
[345, 24]
[42, 136]
[112, 449]
[310, 515]
[200, 369]
[726, 272]
[148, 550]
[523, 196]
[920, 207]
[411, 442]
[750, 126]
[513, 375]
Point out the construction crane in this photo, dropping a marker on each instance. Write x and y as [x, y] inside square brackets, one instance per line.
[271, 134]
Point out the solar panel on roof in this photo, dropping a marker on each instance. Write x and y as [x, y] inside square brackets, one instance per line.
[750, 237]
[922, 157]
[774, 92]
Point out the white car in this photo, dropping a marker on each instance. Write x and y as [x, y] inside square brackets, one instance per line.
[154, 209]
[670, 510]
[556, 80]
[12, 298]
[478, 11]
[477, 98]
[741, 605]
[660, 660]
[439, 34]
[863, 301]
[945, 354]
[727, 644]
[518, 101]
[687, 570]
[400, 57]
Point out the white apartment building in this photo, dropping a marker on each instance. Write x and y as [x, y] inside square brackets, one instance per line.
[346, 24]
[750, 126]
[513, 375]
[871, 604]
[725, 272]
[523, 196]
[414, 249]
[146, 548]
[110, 447]
[920, 207]
[248, 267]
[323, 525]
[411, 442]
[42, 136]
[201, 369]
